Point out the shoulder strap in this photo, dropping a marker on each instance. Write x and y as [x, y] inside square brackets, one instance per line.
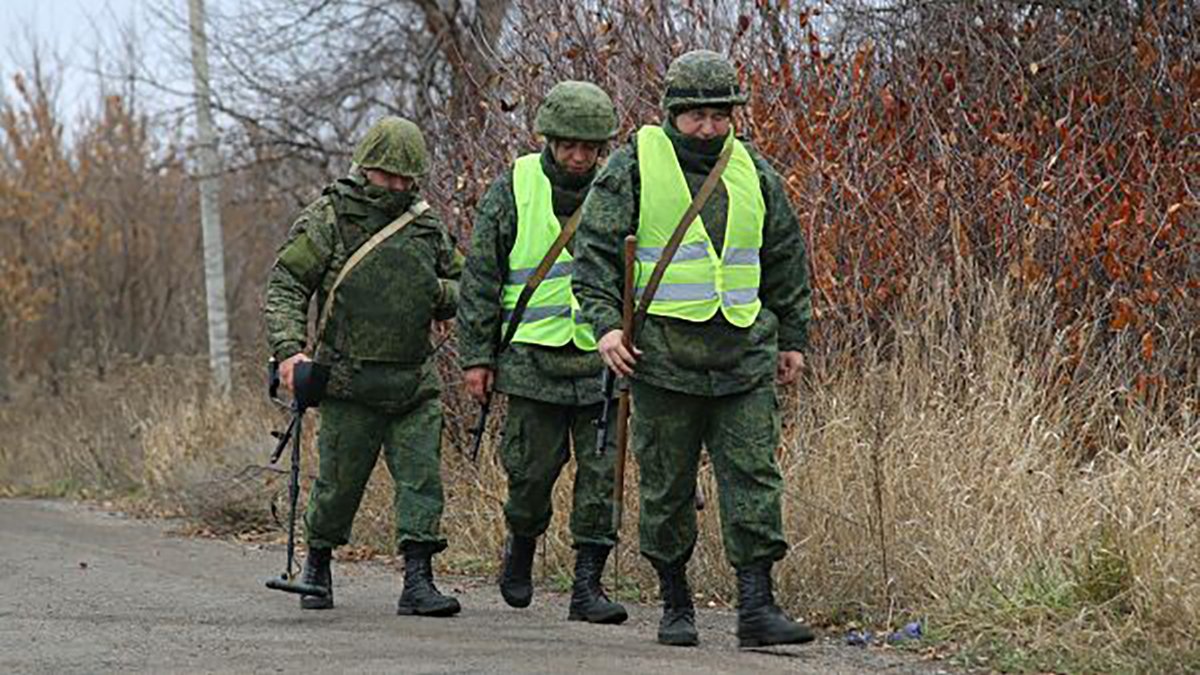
[539, 274]
[414, 212]
[693, 210]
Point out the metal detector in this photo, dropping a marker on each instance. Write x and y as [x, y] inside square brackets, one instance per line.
[308, 385]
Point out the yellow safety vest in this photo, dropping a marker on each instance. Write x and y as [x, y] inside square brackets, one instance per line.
[552, 316]
[698, 282]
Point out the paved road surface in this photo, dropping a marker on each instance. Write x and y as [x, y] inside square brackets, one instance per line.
[87, 591]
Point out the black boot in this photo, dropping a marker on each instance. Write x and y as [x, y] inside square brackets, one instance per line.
[317, 573]
[588, 601]
[760, 621]
[678, 624]
[420, 597]
[516, 581]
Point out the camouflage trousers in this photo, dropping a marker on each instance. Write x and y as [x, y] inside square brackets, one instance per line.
[349, 441]
[538, 438]
[741, 434]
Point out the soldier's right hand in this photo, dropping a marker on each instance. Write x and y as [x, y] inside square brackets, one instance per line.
[288, 367]
[479, 382]
[618, 356]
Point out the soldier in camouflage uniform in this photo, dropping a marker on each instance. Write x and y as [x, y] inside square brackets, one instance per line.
[551, 371]
[383, 388]
[729, 320]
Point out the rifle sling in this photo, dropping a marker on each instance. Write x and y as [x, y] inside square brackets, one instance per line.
[693, 210]
[539, 274]
[414, 212]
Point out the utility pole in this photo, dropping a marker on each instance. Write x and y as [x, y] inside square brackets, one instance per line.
[210, 205]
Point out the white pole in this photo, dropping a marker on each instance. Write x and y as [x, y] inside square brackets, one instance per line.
[210, 205]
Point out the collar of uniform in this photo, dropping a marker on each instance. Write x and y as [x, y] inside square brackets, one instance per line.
[355, 203]
[569, 190]
[560, 177]
[695, 155]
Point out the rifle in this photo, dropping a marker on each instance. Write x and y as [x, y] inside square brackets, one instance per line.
[623, 405]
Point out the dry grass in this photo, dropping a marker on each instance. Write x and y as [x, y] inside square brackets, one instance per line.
[967, 470]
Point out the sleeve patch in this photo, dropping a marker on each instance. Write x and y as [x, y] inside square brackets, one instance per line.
[302, 260]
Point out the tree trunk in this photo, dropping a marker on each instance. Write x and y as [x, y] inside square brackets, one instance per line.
[210, 206]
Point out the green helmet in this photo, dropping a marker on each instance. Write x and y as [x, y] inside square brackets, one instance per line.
[701, 78]
[578, 111]
[395, 145]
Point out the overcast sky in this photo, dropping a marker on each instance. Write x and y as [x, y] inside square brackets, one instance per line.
[74, 30]
[69, 29]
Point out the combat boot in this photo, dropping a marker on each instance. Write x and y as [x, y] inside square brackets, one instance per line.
[678, 624]
[588, 600]
[420, 597]
[760, 621]
[317, 573]
[516, 581]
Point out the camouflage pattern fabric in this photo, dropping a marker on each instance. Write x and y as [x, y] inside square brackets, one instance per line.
[578, 111]
[554, 393]
[537, 445]
[319, 243]
[701, 78]
[564, 375]
[701, 384]
[349, 442]
[395, 145]
[740, 432]
[383, 388]
[712, 358]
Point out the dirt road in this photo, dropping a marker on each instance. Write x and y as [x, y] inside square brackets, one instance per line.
[88, 591]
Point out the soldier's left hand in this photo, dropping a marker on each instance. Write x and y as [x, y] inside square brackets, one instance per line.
[790, 364]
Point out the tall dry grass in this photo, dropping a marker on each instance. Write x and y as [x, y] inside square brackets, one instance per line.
[959, 467]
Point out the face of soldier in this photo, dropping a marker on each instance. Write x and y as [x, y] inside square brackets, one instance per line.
[388, 181]
[577, 157]
[704, 123]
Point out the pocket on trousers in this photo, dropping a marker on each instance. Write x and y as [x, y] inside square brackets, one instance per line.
[512, 451]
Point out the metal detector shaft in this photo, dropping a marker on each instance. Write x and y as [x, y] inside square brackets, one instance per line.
[286, 582]
[294, 491]
[283, 438]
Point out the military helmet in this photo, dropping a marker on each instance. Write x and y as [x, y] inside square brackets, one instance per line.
[395, 145]
[578, 111]
[701, 78]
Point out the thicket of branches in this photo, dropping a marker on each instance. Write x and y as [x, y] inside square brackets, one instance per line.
[1052, 142]
[1002, 206]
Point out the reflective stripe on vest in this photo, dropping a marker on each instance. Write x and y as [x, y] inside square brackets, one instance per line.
[552, 316]
[698, 283]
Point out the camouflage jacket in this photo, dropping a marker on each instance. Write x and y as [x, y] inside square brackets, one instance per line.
[564, 375]
[306, 266]
[712, 358]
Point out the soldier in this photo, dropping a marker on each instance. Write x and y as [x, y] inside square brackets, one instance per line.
[383, 387]
[730, 318]
[551, 371]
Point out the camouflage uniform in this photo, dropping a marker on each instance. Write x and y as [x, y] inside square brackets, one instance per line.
[554, 393]
[383, 388]
[700, 383]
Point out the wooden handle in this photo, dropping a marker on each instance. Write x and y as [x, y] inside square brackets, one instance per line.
[623, 403]
[627, 299]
